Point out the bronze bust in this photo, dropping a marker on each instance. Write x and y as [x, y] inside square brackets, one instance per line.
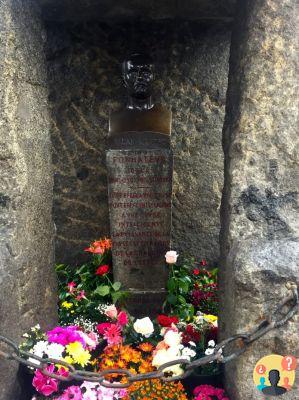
[140, 114]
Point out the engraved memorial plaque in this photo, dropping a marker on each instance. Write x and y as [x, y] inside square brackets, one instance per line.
[140, 188]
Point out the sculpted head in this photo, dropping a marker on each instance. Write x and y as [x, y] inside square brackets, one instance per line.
[138, 75]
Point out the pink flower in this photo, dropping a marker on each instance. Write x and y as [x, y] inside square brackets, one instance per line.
[72, 392]
[113, 334]
[111, 311]
[101, 328]
[122, 318]
[90, 339]
[71, 286]
[81, 295]
[44, 384]
[207, 392]
[65, 335]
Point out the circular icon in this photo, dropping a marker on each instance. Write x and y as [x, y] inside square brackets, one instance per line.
[260, 369]
[274, 375]
[289, 363]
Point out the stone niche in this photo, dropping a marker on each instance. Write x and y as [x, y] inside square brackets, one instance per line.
[86, 43]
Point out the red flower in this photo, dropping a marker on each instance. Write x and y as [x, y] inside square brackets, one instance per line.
[203, 262]
[166, 321]
[122, 318]
[190, 335]
[212, 334]
[101, 328]
[196, 271]
[102, 270]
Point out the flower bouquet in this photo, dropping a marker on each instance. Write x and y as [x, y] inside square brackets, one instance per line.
[96, 333]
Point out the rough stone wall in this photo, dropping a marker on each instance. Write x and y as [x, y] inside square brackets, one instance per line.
[259, 211]
[27, 280]
[84, 77]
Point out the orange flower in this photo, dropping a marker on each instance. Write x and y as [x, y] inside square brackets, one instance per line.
[99, 246]
[146, 347]
[157, 390]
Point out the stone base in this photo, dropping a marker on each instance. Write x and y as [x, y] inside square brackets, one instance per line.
[145, 303]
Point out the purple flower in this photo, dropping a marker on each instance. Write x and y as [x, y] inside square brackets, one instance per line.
[65, 335]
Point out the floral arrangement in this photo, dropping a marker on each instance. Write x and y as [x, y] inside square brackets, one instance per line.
[96, 333]
[82, 290]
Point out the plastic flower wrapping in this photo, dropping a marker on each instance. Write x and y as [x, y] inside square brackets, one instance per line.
[96, 333]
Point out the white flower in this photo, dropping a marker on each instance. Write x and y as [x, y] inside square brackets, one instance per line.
[55, 350]
[171, 257]
[35, 328]
[164, 356]
[199, 319]
[172, 339]
[111, 311]
[40, 348]
[144, 326]
[209, 351]
[211, 343]
[192, 344]
[188, 353]
[175, 369]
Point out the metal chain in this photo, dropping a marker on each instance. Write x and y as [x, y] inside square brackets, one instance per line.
[238, 344]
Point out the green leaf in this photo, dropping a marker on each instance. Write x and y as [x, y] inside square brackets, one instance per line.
[182, 299]
[102, 290]
[116, 296]
[171, 284]
[116, 286]
[172, 299]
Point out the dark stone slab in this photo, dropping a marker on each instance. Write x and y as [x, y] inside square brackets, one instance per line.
[133, 140]
[140, 188]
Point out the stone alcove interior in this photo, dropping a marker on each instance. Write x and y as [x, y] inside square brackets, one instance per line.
[85, 46]
[69, 93]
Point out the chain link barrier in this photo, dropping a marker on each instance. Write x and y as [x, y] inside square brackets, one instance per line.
[227, 350]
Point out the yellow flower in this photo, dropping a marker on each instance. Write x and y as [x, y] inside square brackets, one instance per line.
[68, 359]
[82, 358]
[74, 348]
[78, 353]
[66, 305]
[212, 319]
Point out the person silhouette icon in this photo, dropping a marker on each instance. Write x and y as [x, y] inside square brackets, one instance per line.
[262, 383]
[286, 383]
[274, 389]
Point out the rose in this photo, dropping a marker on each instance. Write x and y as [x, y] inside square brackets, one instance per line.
[166, 321]
[196, 271]
[102, 270]
[172, 339]
[144, 326]
[171, 257]
[111, 311]
[122, 318]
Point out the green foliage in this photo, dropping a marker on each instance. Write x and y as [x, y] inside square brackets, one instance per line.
[89, 289]
[186, 284]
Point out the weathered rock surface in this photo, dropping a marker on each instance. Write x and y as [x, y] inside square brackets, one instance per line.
[85, 82]
[259, 209]
[27, 280]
